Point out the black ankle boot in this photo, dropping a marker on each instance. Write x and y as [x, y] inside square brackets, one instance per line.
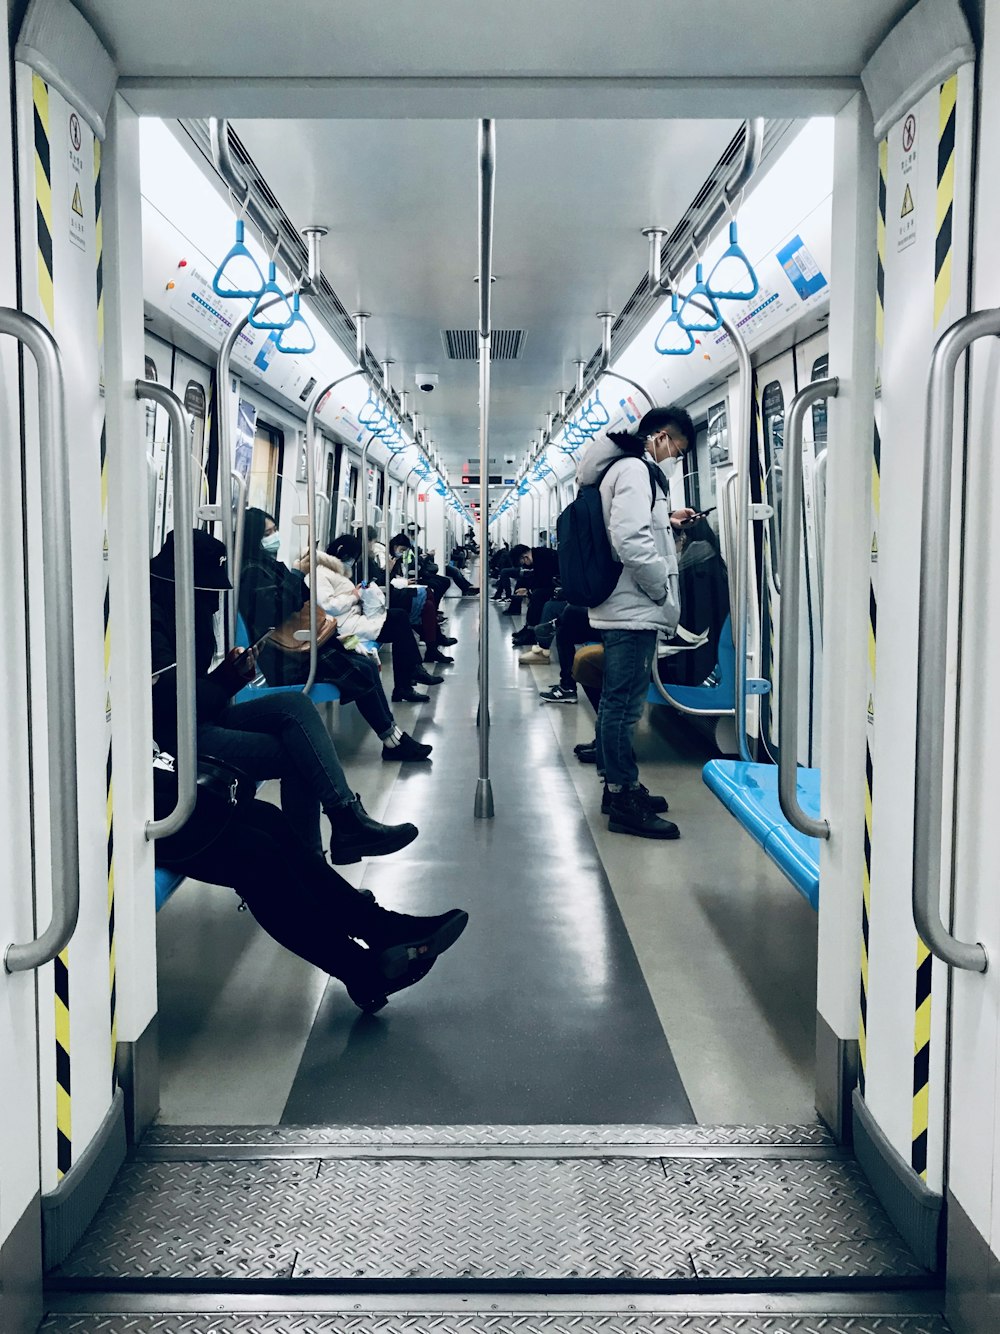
[629, 813]
[354, 834]
[370, 992]
[399, 941]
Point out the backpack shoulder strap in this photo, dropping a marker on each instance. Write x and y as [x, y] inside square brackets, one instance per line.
[656, 478]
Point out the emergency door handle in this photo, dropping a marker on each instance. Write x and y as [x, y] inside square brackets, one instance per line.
[180, 483]
[932, 642]
[60, 680]
[788, 618]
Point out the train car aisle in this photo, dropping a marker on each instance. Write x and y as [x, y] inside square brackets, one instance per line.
[540, 1014]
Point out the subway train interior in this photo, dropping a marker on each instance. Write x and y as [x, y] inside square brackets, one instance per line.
[339, 991]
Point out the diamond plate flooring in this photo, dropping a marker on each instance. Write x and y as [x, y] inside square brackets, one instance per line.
[811, 1135]
[541, 1323]
[434, 1219]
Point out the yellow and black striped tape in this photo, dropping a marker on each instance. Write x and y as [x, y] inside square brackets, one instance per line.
[46, 298]
[43, 196]
[943, 249]
[876, 500]
[109, 776]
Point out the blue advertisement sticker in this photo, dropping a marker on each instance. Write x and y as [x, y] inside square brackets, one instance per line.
[263, 357]
[800, 268]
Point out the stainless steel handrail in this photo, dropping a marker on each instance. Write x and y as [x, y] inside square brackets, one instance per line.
[819, 526]
[664, 691]
[932, 643]
[788, 616]
[484, 807]
[241, 518]
[187, 748]
[364, 507]
[60, 683]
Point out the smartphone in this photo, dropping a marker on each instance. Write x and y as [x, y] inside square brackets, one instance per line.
[255, 648]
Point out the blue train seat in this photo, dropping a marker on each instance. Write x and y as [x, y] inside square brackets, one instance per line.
[717, 698]
[166, 883]
[750, 793]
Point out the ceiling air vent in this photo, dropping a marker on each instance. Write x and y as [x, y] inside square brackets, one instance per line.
[463, 344]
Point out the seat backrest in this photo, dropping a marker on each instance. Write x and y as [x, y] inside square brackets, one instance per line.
[242, 638]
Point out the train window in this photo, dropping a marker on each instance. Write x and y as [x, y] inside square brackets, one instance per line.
[692, 482]
[718, 436]
[264, 479]
[773, 410]
[820, 370]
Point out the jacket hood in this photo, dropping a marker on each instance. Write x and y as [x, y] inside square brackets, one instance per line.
[597, 457]
[327, 562]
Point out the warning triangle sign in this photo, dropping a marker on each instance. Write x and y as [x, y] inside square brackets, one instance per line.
[77, 202]
[907, 203]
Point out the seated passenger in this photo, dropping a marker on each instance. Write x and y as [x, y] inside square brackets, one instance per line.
[362, 613]
[537, 581]
[274, 736]
[299, 900]
[274, 597]
[572, 629]
[416, 599]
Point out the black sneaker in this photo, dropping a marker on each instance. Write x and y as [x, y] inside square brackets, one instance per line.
[658, 805]
[354, 834]
[629, 813]
[407, 750]
[558, 695]
[586, 752]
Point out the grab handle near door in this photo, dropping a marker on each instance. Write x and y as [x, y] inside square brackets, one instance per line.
[788, 625]
[932, 643]
[186, 757]
[60, 685]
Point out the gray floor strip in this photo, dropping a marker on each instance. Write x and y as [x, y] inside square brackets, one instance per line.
[779, 1319]
[432, 1220]
[540, 1013]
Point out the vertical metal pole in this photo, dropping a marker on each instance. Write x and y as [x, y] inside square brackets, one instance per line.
[364, 508]
[484, 808]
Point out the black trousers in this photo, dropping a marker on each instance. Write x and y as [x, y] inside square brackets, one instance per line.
[572, 629]
[294, 895]
[398, 632]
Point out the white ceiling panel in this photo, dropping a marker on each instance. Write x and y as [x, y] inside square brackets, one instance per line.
[317, 39]
[400, 200]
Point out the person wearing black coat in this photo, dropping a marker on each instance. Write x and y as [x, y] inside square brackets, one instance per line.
[271, 736]
[537, 581]
[272, 595]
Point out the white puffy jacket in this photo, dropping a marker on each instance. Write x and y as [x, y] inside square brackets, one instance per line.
[335, 593]
[647, 595]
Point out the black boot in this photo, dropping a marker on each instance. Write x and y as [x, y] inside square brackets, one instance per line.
[370, 991]
[399, 941]
[354, 834]
[658, 805]
[446, 641]
[406, 749]
[435, 655]
[629, 813]
[409, 696]
[422, 678]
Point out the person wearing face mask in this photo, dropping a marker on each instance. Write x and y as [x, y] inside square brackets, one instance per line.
[273, 597]
[635, 502]
[273, 736]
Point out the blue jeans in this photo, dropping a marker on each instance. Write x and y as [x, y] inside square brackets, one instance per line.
[282, 736]
[545, 629]
[628, 660]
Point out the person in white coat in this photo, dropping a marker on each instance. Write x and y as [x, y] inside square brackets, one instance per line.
[361, 613]
[636, 506]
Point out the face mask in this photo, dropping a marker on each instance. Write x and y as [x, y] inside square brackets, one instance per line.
[271, 543]
[668, 467]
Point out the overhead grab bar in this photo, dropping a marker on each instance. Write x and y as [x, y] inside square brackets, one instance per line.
[484, 808]
[788, 619]
[187, 750]
[932, 642]
[60, 684]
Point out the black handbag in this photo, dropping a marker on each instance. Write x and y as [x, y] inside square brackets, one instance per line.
[219, 790]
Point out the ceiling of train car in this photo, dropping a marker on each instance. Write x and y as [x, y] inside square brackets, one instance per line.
[447, 38]
[400, 200]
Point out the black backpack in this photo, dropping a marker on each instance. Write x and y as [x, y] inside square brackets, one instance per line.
[588, 571]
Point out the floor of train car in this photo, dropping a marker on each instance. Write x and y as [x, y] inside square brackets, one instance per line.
[602, 979]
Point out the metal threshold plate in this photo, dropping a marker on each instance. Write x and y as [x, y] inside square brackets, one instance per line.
[298, 1321]
[420, 1220]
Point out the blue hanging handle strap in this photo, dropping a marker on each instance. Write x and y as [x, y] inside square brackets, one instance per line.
[691, 315]
[673, 329]
[238, 251]
[283, 314]
[296, 337]
[734, 263]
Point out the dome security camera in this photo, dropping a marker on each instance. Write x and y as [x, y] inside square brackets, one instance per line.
[426, 381]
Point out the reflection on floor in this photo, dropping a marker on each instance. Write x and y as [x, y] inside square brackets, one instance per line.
[587, 953]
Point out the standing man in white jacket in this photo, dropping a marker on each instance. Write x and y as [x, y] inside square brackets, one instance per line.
[637, 515]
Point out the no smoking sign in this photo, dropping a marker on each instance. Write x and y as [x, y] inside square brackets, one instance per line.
[909, 132]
